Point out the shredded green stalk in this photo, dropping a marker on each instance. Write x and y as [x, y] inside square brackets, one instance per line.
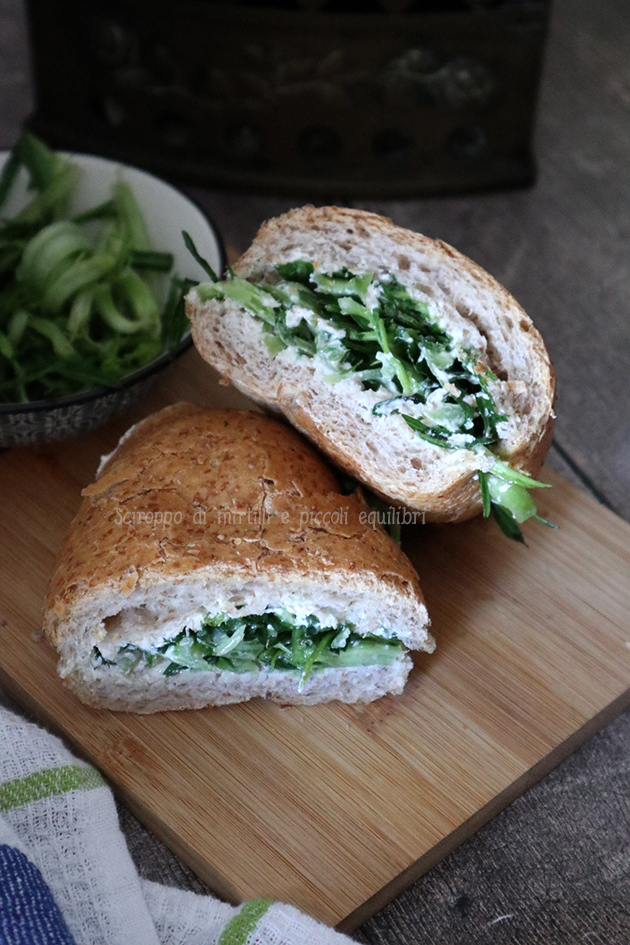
[395, 345]
[273, 640]
[77, 305]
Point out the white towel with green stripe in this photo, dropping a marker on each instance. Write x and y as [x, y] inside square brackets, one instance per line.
[66, 877]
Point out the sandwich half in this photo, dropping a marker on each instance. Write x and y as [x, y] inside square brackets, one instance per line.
[410, 366]
[215, 559]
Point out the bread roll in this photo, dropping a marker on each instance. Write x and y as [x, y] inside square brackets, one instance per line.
[486, 328]
[206, 525]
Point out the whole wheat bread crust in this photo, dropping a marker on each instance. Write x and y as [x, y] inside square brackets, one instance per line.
[340, 231]
[215, 467]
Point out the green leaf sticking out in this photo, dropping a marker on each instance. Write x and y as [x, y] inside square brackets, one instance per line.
[395, 345]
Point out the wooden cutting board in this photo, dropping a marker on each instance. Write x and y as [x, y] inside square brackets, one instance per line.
[337, 808]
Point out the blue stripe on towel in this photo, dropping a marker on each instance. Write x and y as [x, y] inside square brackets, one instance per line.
[28, 913]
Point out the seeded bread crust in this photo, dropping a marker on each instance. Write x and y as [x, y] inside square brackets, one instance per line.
[386, 456]
[200, 505]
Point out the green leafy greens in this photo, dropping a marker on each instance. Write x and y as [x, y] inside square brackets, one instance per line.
[77, 299]
[273, 640]
[396, 346]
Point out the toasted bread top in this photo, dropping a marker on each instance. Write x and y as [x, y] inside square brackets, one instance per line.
[193, 491]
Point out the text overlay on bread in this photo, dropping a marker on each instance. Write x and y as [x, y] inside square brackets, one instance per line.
[215, 559]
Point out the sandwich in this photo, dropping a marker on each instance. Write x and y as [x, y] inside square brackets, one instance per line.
[410, 366]
[215, 559]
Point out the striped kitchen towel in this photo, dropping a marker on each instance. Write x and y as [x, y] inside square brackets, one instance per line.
[66, 877]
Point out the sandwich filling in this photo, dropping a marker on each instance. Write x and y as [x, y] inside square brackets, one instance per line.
[396, 346]
[275, 640]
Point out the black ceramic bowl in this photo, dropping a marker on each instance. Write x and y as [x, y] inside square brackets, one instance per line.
[44, 421]
[167, 212]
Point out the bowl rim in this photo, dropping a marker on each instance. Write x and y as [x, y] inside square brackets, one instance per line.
[164, 359]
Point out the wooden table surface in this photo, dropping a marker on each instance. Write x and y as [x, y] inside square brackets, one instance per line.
[555, 867]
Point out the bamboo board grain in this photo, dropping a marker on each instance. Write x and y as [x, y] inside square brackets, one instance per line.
[336, 808]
